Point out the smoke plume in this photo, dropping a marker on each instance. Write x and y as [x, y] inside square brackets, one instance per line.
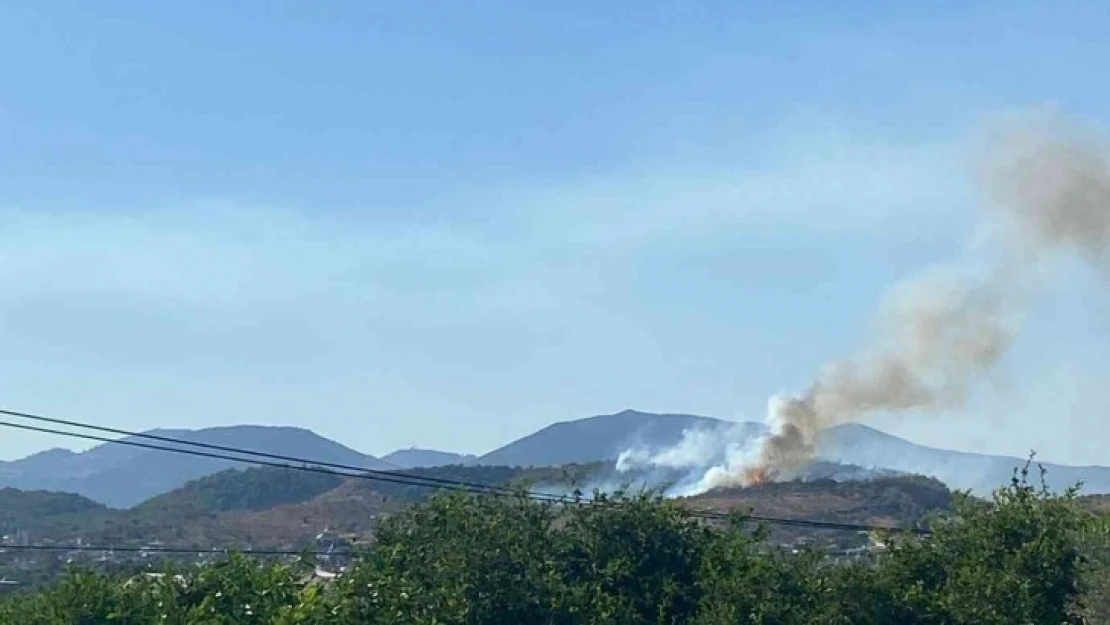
[936, 333]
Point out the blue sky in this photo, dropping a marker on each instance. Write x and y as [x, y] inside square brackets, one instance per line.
[449, 224]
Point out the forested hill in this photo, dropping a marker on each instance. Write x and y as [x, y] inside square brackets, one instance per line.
[283, 507]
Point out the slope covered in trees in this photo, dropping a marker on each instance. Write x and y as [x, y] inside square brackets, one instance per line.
[48, 512]
[283, 508]
[235, 490]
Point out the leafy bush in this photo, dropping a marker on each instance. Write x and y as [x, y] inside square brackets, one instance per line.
[457, 559]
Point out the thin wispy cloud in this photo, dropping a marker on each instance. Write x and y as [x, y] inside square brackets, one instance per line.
[195, 293]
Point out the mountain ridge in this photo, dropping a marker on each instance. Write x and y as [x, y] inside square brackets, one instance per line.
[850, 444]
[420, 457]
[620, 431]
[122, 476]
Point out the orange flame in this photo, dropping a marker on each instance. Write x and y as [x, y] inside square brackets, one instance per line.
[755, 476]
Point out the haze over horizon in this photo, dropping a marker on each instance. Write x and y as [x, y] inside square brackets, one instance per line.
[403, 227]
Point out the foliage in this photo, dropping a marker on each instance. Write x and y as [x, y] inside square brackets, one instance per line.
[283, 509]
[234, 490]
[457, 559]
[48, 511]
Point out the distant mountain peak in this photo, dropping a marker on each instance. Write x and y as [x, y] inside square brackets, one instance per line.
[122, 476]
[417, 457]
[52, 453]
[600, 437]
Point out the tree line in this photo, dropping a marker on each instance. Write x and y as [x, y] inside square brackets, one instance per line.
[1025, 555]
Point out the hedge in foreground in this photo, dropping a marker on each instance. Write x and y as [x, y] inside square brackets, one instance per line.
[488, 561]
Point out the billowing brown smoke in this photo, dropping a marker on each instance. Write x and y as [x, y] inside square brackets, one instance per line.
[1053, 182]
[936, 334]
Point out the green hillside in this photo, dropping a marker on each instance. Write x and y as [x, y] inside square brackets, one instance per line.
[283, 507]
[44, 513]
[237, 490]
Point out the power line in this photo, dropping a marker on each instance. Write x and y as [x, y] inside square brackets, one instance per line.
[172, 550]
[260, 454]
[204, 454]
[390, 477]
[833, 525]
[461, 486]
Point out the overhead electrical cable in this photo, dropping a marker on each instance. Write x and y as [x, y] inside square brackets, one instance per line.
[248, 452]
[351, 471]
[173, 550]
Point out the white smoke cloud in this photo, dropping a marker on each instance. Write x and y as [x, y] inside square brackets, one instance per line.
[699, 447]
[936, 333]
[720, 448]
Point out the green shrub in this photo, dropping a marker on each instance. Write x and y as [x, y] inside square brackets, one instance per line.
[459, 559]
